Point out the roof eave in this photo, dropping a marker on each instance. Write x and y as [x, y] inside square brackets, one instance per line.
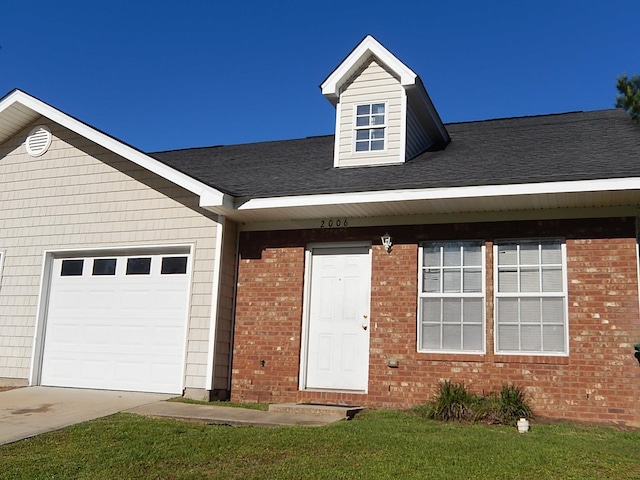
[368, 46]
[18, 109]
[604, 193]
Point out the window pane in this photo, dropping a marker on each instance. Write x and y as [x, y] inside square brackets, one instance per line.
[362, 135]
[507, 310]
[553, 310]
[104, 266]
[362, 146]
[508, 280]
[431, 256]
[431, 310]
[451, 255]
[551, 253]
[529, 254]
[377, 133]
[472, 255]
[451, 280]
[377, 145]
[530, 310]
[173, 265]
[507, 255]
[472, 280]
[377, 108]
[71, 268]
[362, 121]
[553, 338]
[431, 337]
[508, 338]
[431, 280]
[472, 337]
[451, 337]
[451, 310]
[377, 120]
[363, 109]
[531, 340]
[138, 266]
[530, 280]
[472, 310]
[551, 279]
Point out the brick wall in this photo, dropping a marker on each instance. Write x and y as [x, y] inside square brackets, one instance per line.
[598, 381]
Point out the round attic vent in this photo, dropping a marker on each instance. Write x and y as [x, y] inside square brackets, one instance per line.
[38, 141]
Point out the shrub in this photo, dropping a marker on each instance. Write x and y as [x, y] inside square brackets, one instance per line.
[513, 404]
[454, 402]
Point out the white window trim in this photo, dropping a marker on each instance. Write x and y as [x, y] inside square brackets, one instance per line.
[1, 265]
[384, 126]
[563, 294]
[482, 295]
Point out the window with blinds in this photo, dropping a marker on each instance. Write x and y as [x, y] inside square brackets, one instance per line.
[451, 303]
[531, 297]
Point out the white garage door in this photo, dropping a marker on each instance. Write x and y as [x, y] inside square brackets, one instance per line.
[117, 322]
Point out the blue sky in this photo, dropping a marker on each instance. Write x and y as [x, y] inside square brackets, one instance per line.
[168, 75]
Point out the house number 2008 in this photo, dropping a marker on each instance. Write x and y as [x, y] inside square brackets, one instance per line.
[334, 223]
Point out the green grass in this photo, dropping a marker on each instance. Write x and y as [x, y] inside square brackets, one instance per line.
[375, 445]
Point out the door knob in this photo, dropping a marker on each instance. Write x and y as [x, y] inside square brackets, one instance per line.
[365, 326]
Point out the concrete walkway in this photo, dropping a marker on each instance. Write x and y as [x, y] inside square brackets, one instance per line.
[29, 411]
[219, 415]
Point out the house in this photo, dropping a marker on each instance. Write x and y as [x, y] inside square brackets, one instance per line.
[362, 267]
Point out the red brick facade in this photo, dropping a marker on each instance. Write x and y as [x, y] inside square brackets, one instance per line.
[598, 381]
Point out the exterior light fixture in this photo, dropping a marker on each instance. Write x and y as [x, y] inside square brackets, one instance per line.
[387, 242]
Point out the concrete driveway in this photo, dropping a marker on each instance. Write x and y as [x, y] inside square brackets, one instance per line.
[29, 411]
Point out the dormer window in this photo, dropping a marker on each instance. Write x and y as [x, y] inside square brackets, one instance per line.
[370, 127]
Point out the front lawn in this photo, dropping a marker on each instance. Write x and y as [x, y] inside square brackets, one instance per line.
[375, 445]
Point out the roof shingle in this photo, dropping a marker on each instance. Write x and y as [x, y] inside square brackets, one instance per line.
[548, 148]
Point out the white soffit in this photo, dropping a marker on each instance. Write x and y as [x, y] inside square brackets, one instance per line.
[490, 198]
[18, 109]
[369, 46]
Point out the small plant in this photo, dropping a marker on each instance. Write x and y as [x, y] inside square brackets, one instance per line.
[454, 402]
[513, 404]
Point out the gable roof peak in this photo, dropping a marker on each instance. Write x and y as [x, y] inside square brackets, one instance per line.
[361, 53]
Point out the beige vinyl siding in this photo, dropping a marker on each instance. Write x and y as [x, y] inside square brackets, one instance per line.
[79, 195]
[372, 84]
[417, 140]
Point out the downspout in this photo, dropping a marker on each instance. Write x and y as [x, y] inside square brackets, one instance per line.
[236, 265]
[215, 302]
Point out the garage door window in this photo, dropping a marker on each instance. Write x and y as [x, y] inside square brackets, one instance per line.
[173, 265]
[139, 266]
[104, 266]
[71, 268]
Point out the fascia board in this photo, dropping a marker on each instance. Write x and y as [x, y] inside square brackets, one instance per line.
[368, 46]
[112, 144]
[443, 193]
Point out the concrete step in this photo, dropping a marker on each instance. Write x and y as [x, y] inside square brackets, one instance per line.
[335, 411]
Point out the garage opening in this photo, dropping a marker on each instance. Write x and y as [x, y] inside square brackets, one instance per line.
[117, 322]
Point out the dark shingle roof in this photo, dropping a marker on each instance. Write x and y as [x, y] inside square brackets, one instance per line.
[549, 148]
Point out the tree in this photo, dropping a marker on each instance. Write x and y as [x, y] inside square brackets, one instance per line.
[629, 96]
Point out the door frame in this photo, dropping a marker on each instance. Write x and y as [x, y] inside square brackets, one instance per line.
[306, 307]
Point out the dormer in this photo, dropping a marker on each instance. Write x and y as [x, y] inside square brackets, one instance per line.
[383, 112]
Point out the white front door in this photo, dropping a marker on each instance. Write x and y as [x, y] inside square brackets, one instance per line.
[338, 320]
